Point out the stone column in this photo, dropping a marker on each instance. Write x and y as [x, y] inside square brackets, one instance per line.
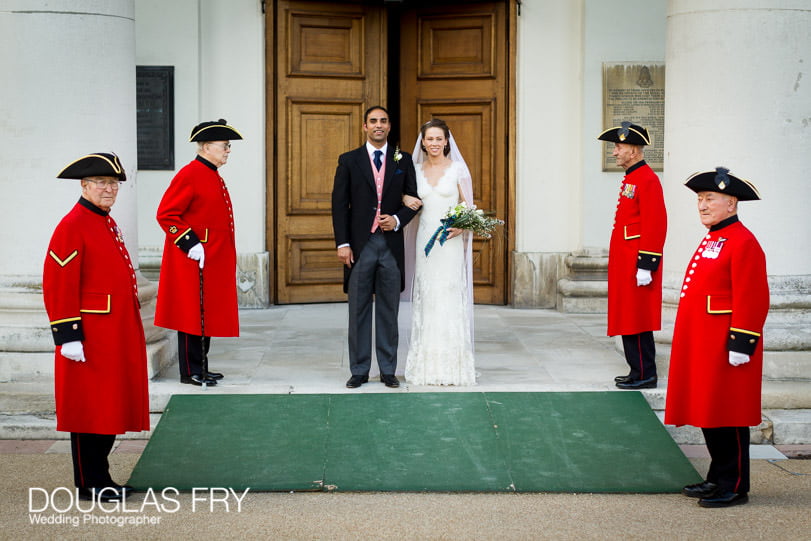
[548, 200]
[68, 90]
[737, 95]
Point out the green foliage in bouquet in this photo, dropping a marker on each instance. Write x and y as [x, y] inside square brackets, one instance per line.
[465, 217]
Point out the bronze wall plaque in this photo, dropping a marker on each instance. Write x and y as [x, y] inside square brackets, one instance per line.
[155, 98]
[635, 92]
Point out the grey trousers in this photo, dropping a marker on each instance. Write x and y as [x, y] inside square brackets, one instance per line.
[374, 275]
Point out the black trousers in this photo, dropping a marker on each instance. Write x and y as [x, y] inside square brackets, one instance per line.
[640, 354]
[91, 469]
[190, 353]
[374, 283]
[729, 451]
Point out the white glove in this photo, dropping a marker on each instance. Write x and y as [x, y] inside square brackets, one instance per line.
[737, 359]
[196, 252]
[643, 277]
[73, 351]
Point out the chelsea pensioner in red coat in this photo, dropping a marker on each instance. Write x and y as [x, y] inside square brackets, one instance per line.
[716, 362]
[196, 208]
[91, 296]
[90, 290]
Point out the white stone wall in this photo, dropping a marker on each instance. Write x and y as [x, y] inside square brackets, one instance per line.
[65, 94]
[217, 49]
[167, 34]
[614, 32]
[564, 202]
[549, 68]
[744, 104]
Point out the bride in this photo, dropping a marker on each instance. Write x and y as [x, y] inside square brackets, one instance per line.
[441, 347]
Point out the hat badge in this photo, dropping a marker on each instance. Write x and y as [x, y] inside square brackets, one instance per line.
[721, 178]
[624, 130]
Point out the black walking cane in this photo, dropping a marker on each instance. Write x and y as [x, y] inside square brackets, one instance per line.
[204, 371]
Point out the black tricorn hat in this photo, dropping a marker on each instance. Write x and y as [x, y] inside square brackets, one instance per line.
[722, 182]
[216, 130]
[630, 134]
[100, 164]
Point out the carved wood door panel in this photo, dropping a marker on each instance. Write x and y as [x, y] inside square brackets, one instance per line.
[327, 62]
[330, 66]
[453, 62]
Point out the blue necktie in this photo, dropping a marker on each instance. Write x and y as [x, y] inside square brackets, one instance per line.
[378, 162]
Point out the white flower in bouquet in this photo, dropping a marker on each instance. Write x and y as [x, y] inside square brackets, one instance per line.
[465, 217]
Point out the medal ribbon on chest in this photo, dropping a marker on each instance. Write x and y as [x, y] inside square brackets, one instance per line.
[628, 190]
[713, 249]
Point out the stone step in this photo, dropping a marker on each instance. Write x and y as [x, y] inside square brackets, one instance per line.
[587, 267]
[584, 288]
[777, 365]
[779, 427]
[29, 410]
[39, 366]
[582, 296]
[43, 427]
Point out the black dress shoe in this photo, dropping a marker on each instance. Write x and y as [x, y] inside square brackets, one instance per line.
[724, 499]
[623, 379]
[648, 383]
[356, 381]
[214, 375]
[195, 379]
[105, 494]
[390, 380]
[700, 490]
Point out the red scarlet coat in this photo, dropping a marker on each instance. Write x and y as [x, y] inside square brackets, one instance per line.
[90, 293]
[723, 306]
[197, 208]
[637, 241]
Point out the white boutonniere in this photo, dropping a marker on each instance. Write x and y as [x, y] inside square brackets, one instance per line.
[397, 154]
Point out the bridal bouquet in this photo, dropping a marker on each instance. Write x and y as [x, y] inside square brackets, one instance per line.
[467, 217]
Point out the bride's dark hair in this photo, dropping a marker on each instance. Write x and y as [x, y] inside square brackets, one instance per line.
[437, 123]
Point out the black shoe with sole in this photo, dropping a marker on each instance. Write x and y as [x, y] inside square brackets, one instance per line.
[724, 499]
[390, 380]
[647, 383]
[195, 379]
[356, 381]
[700, 490]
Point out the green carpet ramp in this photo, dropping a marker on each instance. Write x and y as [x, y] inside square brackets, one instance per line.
[451, 441]
[587, 442]
[414, 442]
[265, 442]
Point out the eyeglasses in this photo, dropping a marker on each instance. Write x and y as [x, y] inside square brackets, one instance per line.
[224, 146]
[104, 184]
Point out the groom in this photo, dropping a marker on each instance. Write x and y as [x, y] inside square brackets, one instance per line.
[368, 218]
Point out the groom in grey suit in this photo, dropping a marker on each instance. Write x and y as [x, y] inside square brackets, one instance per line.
[368, 217]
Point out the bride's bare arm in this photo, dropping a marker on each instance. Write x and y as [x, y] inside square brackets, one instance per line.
[462, 195]
[412, 202]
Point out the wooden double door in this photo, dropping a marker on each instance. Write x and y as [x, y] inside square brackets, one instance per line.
[326, 63]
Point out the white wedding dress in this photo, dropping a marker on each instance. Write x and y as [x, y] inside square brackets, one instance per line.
[441, 347]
